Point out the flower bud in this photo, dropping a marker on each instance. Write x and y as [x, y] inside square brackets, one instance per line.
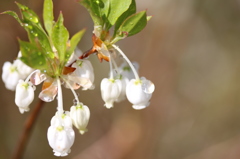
[110, 91]
[80, 115]
[24, 95]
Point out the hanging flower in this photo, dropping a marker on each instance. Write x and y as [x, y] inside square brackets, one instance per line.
[110, 91]
[80, 115]
[24, 95]
[10, 75]
[83, 74]
[126, 71]
[122, 96]
[139, 92]
[61, 135]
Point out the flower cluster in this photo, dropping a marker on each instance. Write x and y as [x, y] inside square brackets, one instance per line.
[52, 59]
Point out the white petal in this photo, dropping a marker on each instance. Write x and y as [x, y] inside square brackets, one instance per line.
[110, 91]
[80, 116]
[10, 76]
[136, 95]
[24, 95]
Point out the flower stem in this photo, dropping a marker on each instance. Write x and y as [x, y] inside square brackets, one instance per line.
[60, 98]
[128, 61]
[29, 123]
[74, 93]
[111, 67]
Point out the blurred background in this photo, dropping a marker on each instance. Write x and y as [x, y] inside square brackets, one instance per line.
[189, 50]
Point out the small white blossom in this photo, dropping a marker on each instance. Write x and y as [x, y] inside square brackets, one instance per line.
[61, 135]
[139, 92]
[23, 69]
[126, 71]
[83, 75]
[110, 91]
[10, 75]
[124, 81]
[80, 115]
[24, 95]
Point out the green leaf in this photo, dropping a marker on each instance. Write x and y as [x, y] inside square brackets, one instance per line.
[28, 15]
[117, 8]
[32, 56]
[48, 16]
[38, 36]
[131, 10]
[133, 24]
[73, 43]
[93, 8]
[14, 14]
[60, 37]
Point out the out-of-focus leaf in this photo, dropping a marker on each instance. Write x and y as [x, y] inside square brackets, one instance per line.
[93, 8]
[73, 43]
[117, 8]
[32, 56]
[14, 14]
[133, 24]
[48, 16]
[60, 37]
[28, 15]
[131, 10]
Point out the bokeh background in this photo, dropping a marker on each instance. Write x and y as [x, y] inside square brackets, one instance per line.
[189, 49]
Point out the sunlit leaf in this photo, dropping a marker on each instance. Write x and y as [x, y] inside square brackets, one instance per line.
[14, 14]
[131, 10]
[73, 43]
[117, 8]
[48, 16]
[133, 24]
[32, 56]
[60, 37]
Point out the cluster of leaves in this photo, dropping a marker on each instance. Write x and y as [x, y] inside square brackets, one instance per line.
[45, 48]
[120, 14]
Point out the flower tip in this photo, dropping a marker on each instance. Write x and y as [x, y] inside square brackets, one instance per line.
[83, 131]
[108, 105]
[140, 107]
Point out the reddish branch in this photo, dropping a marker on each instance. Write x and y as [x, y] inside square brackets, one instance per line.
[28, 126]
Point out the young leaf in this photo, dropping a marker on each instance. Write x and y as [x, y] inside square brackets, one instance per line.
[32, 56]
[133, 24]
[93, 8]
[73, 43]
[36, 35]
[117, 8]
[131, 10]
[28, 15]
[48, 16]
[14, 14]
[60, 37]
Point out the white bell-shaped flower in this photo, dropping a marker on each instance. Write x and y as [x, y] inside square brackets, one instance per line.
[83, 75]
[61, 135]
[23, 69]
[126, 71]
[24, 95]
[110, 91]
[139, 92]
[10, 75]
[80, 115]
[124, 81]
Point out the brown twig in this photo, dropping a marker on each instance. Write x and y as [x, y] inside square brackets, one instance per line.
[21, 145]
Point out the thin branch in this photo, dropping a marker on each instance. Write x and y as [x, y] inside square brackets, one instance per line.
[28, 126]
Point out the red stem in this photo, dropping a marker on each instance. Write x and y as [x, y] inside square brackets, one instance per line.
[28, 126]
